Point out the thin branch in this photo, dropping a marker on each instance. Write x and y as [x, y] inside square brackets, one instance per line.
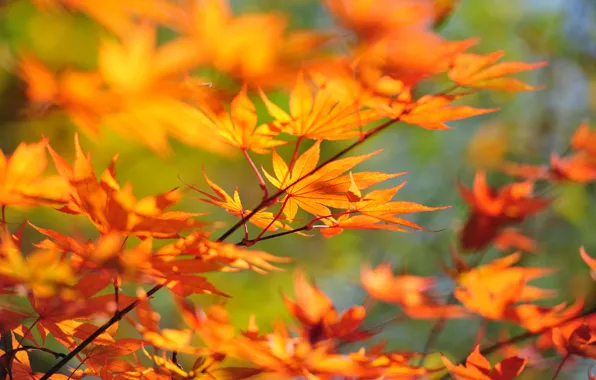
[439, 325]
[3, 220]
[560, 366]
[527, 335]
[29, 348]
[248, 243]
[100, 330]
[262, 183]
[280, 192]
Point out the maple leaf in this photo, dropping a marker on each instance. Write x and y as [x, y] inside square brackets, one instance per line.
[584, 139]
[581, 341]
[236, 45]
[316, 192]
[43, 272]
[480, 71]
[413, 293]
[319, 117]
[233, 205]
[371, 20]
[432, 111]
[238, 126]
[115, 15]
[112, 208]
[318, 317]
[536, 318]
[376, 211]
[21, 181]
[167, 339]
[236, 258]
[512, 238]
[478, 368]
[490, 290]
[493, 209]
[140, 75]
[577, 167]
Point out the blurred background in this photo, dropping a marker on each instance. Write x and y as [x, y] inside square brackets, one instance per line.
[527, 129]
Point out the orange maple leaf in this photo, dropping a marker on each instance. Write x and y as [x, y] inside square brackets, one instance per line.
[21, 181]
[318, 317]
[43, 272]
[371, 20]
[491, 289]
[115, 15]
[478, 368]
[432, 111]
[237, 46]
[581, 341]
[236, 258]
[376, 211]
[413, 293]
[238, 126]
[512, 238]
[325, 188]
[493, 209]
[112, 208]
[480, 71]
[319, 117]
[233, 205]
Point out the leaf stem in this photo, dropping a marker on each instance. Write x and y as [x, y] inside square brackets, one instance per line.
[560, 366]
[280, 192]
[262, 183]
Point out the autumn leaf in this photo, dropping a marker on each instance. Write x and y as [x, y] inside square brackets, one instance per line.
[492, 209]
[236, 45]
[43, 272]
[478, 368]
[233, 205]
[413, 293]
[316, 192]
[493, 290]
[112, 208]
[237, 127]
[234, 257]
[432, 111]
[481, 71]
[319, 116]
[513, 239]
[115, 15]
[371, 20]
[21, 180]
[376, 211]
[318, 317]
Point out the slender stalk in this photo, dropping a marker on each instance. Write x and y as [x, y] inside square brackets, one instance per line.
[100, 330]
[3, 220]
[262, 183]
[280, 192]
[560, 366]
[527, 335]
[281, 209]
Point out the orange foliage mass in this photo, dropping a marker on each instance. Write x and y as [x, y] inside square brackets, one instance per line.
[70, 286]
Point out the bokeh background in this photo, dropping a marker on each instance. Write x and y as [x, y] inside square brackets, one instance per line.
[528, 128]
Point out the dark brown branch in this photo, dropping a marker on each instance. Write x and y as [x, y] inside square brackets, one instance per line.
[527, 335]
[100, 330]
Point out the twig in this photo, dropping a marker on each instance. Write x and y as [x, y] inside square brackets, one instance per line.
[100, 330]
[560, 366]
[527, 335]
[280, 192]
